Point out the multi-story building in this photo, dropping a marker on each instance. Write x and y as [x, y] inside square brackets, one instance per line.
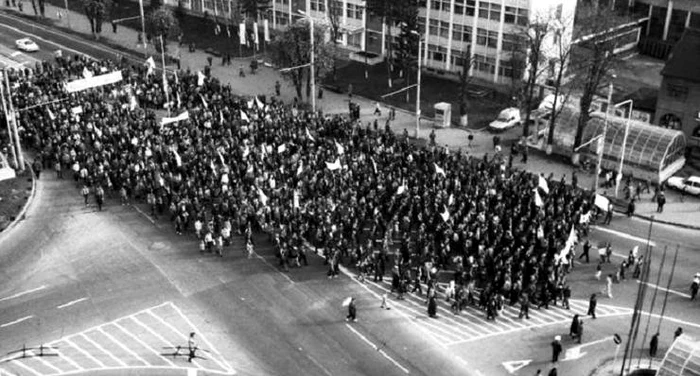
[485, 32]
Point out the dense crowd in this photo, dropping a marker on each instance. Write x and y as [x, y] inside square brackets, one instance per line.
[240, 165]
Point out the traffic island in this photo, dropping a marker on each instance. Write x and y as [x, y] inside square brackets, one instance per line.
[15, 194]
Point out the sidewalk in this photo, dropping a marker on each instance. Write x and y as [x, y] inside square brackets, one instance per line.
[682, 213]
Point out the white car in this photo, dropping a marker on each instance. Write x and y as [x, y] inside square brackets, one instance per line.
[691, 185]
[510, 117]
[26, 44]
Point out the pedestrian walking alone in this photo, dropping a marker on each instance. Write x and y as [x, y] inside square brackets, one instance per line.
[352, 311]
[556, 349]
[86, 193]
[592, 303]
[654, 345]
[586, 250]
[192, 347]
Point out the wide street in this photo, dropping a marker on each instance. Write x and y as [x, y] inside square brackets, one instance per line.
[119, 291]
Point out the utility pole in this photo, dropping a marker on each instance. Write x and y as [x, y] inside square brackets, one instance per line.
[7, 120]
[601, 142]
[15, 133]
[313, 59]
[67, 13]
[143, 29]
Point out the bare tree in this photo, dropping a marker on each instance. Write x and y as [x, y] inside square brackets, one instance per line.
[465, 81]
[335, 17]
[535, 35]
[559, 66]
[596, 64]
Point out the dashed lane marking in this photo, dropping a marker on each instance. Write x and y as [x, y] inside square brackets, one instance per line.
[381, 351]
[72, 303]
[5, 325]
[130, 342]
[22, 293]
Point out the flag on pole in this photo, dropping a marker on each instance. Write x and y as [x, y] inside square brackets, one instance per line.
[259, 103]
[445, 215]
[200, 78]
[256, 36]
[439, 170]
[151, 65]
[451, 200]
[538, 199]
[296, 199]
[241, 33]
[540, 232]
[263, 197]
[179, 103]
[251, 103]
[308, 134]
[221, 117]
[178, 159]
[300, 169]
[204, 102]
[281, 149]
[543, 184]
[266, 30]
[374, 165]
[244, 116]
[51, 115]
[340, 148]
[402, 188]
[334, 166]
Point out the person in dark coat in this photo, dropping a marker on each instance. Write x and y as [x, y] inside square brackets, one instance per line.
[556, 349]
[654, 345]
[432, 306]
[573, 330]
[352, 311]
[592, 303]
[553, 372]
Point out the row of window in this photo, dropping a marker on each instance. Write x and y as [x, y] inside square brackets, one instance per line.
[352, 11]
[484, 37]
[489, 11]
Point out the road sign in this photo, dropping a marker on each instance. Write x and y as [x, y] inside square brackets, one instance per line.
[515, 365]
[617, 339]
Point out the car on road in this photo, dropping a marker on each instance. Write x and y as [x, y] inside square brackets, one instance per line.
[508, 118]
[690, 185]
[26, 44]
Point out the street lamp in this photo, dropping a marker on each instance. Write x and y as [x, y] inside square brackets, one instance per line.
[420, 55]
[601, 141]
[624, 142]
[313, 59]
[143, 29]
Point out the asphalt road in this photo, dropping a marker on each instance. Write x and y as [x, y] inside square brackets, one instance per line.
[117, 290]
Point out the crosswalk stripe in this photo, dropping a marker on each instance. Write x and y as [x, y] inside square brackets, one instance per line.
[446, 332]
[143, 344]
[122, 345]
[44, 362]
[153, 332]
[6, 373]
[180, 334]
[71, 343]
[103, 349]
[69, 360]
[28, 368]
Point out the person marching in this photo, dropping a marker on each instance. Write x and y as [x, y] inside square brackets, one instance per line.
[694, 286]
[86, 193]
[592, 303]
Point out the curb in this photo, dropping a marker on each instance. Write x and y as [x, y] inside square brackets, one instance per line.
[20, 216]
[683, 225]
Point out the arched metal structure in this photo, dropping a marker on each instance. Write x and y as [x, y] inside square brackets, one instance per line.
[651, 152]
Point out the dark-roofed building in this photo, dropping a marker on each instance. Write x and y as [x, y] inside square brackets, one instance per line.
[678, 104]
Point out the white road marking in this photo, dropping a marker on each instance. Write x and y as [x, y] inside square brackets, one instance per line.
[144, 214]
[665, 289]
[22, 293]
[44, 362]
[153, 332]
[404, 369]
[28, 368]
[157, 266]
[194, 361]
[97, 345]
[679, 321]
[126, 348]
[143, 344]
[514, 365]
[16, 321]
[71, 303]
[43, 39]
[6, 373]
[213, 349]
[71, 343]
[625, 235]
[319, 365]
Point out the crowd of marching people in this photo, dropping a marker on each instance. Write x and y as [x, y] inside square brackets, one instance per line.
[234, 165]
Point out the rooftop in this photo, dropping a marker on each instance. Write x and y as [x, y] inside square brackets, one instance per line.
[683, 61]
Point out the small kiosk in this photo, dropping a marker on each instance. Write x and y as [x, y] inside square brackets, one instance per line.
[443, 114]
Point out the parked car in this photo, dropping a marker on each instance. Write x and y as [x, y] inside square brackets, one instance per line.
[26, 44]
[508, 118]
[690, 185]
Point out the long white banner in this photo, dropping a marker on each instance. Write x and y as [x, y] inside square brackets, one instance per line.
[95, 81]
[168, 120]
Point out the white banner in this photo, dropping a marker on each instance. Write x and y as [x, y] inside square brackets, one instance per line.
[256, 38]
[95, 81]
[241, 33]
[168, 120]
[266, 30]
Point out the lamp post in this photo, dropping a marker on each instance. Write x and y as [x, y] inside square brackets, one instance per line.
[313, 59]
[624, 143]
[601, 142]
[143, 29]
[420, 56]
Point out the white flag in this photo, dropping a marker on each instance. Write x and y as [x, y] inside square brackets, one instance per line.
[181, 117]
[451, 200]
[204, 102]
[241, 33]
[334, 166]
[300, 169]
[296, 199]
[543, 184]
[87, 73]
[255, 33]
[340, 148]
[374, 165]
[178, 159]
[538, 199]
[132, 102]
[281, 149]
[51, 115]
[602, 202]
[151, 66]
[445, 215]
[402, 188]
[200, 78]
[259, 103]
[308, 134]
[439, 170]
[262, 196]
[221, 117]
[246, 151]
[244, 116]
[251, 103]
[540, 232]
[266, 30]
[585, 218]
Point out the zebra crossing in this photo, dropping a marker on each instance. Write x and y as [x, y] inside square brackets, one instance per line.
[153, 339]
[471, 324]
